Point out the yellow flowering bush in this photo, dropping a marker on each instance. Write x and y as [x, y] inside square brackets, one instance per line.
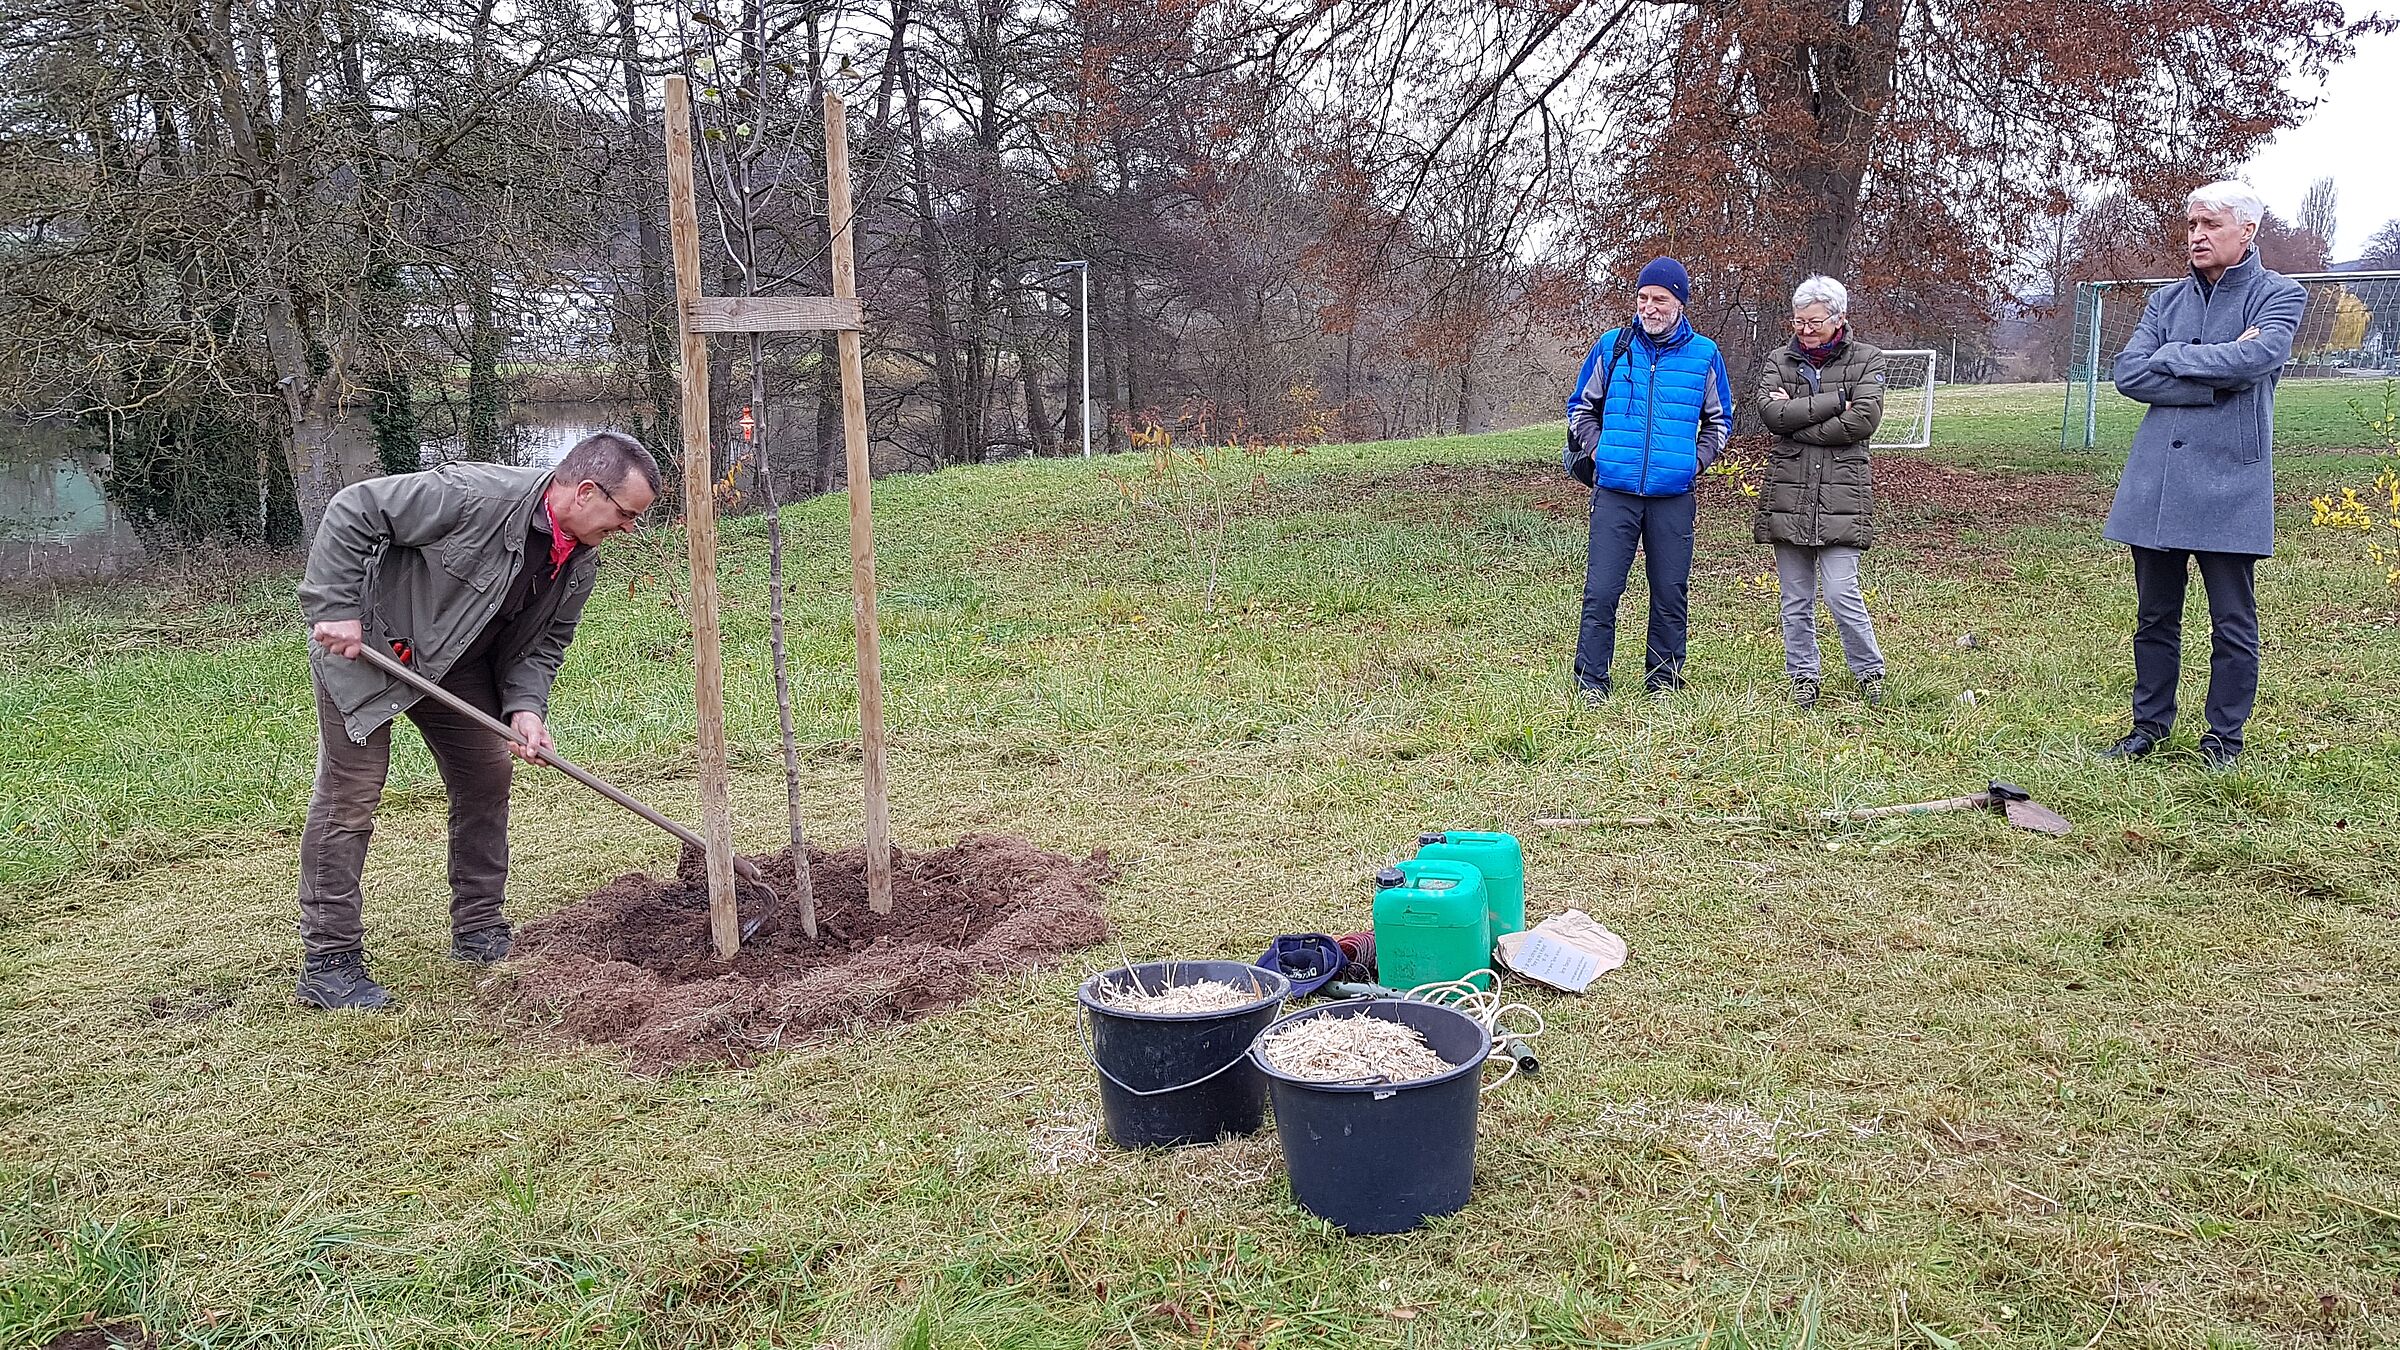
[2373, 513]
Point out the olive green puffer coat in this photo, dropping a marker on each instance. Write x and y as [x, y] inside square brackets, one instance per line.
[1818, 489]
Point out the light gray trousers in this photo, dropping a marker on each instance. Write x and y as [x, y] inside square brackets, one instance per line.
[1797, 571]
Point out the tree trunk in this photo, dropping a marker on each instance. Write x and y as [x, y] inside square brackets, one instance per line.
[272, 235]
[480, 436]
[1038, 431]
[946, 374]
[653, 308]
[1112, 389]
[1078, 361]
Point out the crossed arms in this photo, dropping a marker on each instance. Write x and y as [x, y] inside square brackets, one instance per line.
[2196, 374]
[1826, 418]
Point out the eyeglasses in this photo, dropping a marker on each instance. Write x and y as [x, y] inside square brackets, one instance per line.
[632, 519]
[1800, 325]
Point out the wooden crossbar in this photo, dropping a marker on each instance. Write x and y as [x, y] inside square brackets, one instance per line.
[772, 314]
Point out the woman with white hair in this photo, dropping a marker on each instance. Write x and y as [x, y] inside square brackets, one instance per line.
[1822, 396]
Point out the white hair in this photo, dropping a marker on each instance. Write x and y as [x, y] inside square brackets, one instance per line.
[2229, 195]
[1833, 295]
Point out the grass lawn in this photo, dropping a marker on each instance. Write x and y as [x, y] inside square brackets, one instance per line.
[2310, 415]
[1922, 1082]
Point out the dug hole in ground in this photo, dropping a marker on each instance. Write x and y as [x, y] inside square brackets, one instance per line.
[629, 965]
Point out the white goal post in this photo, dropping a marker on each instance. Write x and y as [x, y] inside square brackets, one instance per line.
[1907, 400]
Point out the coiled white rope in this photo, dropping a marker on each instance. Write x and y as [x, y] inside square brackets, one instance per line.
[1485, 1006]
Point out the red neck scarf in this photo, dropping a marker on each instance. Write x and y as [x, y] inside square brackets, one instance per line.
[562, 544]
[1818, 356]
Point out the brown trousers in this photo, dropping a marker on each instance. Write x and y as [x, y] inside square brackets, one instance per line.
[475, 767]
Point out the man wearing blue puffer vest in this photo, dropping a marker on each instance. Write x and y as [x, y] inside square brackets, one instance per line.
[1652, 408]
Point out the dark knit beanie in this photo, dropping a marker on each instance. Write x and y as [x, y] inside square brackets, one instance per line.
[1669, 274]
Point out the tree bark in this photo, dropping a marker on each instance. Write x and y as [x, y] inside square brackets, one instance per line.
[944, 344]
[653, 308]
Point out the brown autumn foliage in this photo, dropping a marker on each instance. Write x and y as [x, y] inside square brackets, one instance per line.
[1386, 217]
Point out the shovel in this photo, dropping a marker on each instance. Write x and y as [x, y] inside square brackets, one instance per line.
[748, 884]
[2014, 804]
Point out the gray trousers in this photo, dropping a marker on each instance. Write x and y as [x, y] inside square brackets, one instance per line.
[476, 770]
[1797, 570]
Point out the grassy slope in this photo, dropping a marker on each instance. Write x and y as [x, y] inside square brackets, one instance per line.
[2136, 1084]
[2310, 415]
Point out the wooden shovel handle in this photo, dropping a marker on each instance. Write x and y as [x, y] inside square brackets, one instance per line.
[383, 661]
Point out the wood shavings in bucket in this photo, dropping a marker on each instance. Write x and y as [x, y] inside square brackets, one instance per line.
[1197, 997]
[1360, 1049]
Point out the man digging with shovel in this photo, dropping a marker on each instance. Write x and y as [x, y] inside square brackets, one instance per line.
[474, 576]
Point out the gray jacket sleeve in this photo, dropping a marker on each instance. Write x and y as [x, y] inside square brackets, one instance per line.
[1583, 418]
[2139, 378]
[408, 509]
[2238, 365]
[1716, 412]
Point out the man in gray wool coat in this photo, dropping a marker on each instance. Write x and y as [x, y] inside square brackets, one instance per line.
[2199, 486]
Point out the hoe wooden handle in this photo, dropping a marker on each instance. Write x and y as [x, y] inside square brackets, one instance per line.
[383, 661]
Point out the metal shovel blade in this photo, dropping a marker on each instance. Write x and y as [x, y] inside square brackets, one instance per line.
[2032, 815]
[761, 898]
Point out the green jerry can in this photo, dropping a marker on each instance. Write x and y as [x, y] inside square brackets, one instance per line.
[1431, 923]
[1499, 857]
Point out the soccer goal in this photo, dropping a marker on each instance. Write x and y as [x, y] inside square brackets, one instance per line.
[1907, 401]
[2350, 330]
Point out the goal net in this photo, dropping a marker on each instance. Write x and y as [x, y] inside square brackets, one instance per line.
[2350, 330]
[1907, 401]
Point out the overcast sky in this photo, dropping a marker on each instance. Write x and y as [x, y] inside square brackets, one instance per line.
[2353, 137]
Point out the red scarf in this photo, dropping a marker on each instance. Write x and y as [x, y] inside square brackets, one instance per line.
[562, 544]
[1818, 356]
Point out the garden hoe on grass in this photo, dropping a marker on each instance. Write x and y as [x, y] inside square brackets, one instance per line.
[748, 884]
[2014, 804]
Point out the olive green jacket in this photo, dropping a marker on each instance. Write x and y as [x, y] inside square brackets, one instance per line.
[1818, 488]
[425, 559]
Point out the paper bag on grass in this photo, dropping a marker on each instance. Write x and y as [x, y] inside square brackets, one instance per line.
[1566, 951]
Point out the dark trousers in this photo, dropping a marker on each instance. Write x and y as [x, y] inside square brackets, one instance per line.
[475, 768]
[2159, 578]
[1661, 528]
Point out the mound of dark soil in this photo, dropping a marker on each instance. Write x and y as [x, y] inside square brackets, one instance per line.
[630, 963]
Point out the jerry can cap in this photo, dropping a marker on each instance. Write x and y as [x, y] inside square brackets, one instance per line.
[1390, 877]
[1434, 837]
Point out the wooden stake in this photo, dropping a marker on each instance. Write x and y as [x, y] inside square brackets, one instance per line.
[700, 521]
[862, 514]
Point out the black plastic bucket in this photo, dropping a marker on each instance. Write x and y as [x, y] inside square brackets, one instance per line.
[1179, 1078]
[1383, 1157]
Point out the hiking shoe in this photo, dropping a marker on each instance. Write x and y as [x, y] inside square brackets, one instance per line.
[337, 981]
[1593, 695]
[484, 946]
[1805, 691]
[2216, 756]
[2137, 745]
[1870, 690]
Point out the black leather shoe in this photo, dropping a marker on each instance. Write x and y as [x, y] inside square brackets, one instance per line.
[339, 981]
[2136, 745]
[484, 946]
[2216, 755]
